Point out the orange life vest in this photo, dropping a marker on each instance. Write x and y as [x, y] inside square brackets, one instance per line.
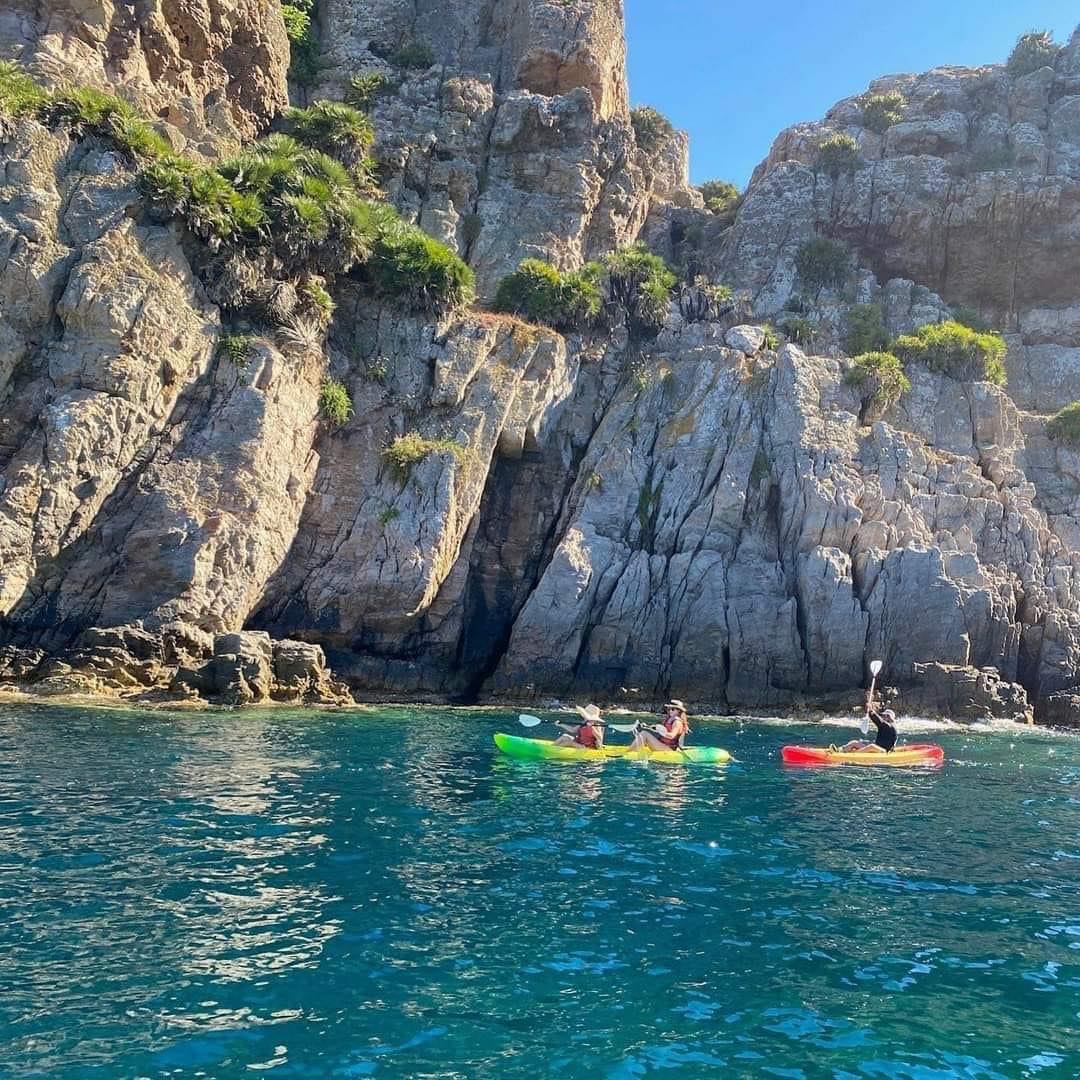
[586, 736]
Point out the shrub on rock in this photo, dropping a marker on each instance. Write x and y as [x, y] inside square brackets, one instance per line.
[1033, 50]
[822, 263]
[956, 350]
[640, 283]
[539, 292]
[721, 197]
[1064, 427]
[881, 111]
[865, 330]
[837, 154]
[419, 270]
[303, 48]
[332, 127]
[651, 128]
[880, 379]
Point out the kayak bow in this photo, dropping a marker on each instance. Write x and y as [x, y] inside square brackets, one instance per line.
[915, 754]
[544, 750]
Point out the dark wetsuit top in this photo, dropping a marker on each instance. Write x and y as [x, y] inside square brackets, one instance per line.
[886, 733]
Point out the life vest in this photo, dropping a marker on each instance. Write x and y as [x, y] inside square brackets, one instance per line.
[586, 736]
[677, 729]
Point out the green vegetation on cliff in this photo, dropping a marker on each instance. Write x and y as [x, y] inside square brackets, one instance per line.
[880, 378]
[651, 128]
[721, 197]
[837, 154]
[334, 402]
[1033, 50]
[537, 291]
[822, 263]
[1064, 426]
[866, 331]
[410, 449]
[303, 47]
[881, 111]
[956, 350]
[285, 208]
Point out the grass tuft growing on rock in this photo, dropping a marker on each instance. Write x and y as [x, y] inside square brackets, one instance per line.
[236, 348]
[1064, 426]
[881, 111]
[1033, 50]
[333, 128]
[880, 378]
[956, 350]
[407, 450]
[335, 403]
[539, 292]
[798, 329]
[364, 90]
[421, 272]
[19, 95]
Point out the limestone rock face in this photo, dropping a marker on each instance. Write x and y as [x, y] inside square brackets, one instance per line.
[204, 66]
[511, 512]
[967, 196]
[517, 141]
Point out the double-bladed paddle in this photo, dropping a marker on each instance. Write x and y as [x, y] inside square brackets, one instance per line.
[533, 721]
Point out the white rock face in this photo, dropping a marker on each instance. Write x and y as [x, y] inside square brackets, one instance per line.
[747, 339]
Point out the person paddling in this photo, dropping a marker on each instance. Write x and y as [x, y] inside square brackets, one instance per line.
[588, 734]
[885, 722]
[669, 734]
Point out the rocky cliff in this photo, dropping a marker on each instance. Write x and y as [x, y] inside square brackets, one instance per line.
[700, 510]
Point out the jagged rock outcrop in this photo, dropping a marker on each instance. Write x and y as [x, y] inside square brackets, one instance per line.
[208, 68]
[511, 512]
[516, 142]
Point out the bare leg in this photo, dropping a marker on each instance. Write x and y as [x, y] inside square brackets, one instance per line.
[651, 742]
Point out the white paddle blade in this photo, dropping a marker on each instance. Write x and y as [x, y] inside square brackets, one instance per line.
[529, 721]
[864, 727]
[875, 667]
[626, 729]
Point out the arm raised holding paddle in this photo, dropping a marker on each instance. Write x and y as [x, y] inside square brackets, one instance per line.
[884, 722]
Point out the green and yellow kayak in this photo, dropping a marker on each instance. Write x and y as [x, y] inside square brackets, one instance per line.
[545, 750]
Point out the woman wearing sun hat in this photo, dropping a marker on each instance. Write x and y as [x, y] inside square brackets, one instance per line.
[669, 734]
[589, 733]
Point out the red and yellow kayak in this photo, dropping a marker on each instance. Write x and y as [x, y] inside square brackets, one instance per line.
[913, 754]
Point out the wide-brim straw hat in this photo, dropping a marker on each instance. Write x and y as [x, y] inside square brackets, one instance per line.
[675, 703]
[588, 712]
[889, 715]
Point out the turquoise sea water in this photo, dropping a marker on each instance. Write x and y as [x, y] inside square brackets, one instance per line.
[379, 893]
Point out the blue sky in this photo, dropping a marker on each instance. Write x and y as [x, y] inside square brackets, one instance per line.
[734, 75]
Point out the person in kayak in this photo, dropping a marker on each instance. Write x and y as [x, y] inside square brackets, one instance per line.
[589, 734]
[884, 740]
[669, 734]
